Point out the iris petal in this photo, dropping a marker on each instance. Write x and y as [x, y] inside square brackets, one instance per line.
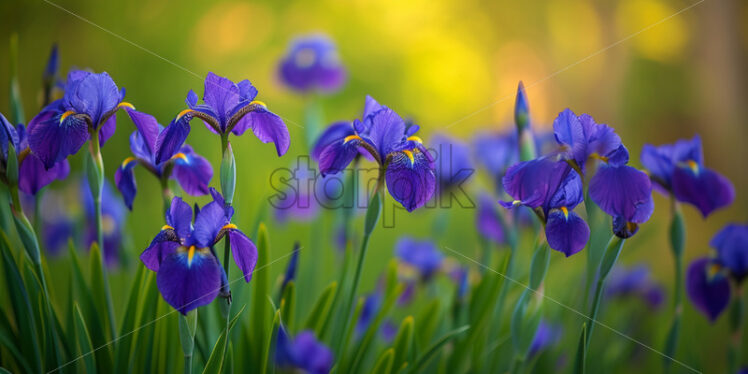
[566, 233]
[244, 252]
[179, 217]
[622, 191]
[709, 294]
[208, 224]
[410, 178]
[731, 243]
[148, 128]
[124, 179]
[221, 95]
[267, 126]
[705, 189]
[335, 132]
[337, 155]
[187, 282]
[162, 246]
[171, 139]
[193, 172]
[53, 141]
[386, 130]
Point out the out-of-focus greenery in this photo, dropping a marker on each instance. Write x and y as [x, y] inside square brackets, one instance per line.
[452, 67]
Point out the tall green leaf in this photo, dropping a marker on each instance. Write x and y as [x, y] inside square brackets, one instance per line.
[122, 354]
[421, 361]
[215, 361]
[383, 365]
[288, 304]
[84, 341]
[322, 309]
[267, 366]
[403, 343]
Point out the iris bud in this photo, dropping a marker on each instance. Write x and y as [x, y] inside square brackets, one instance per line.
[522, 120]
[228, 174]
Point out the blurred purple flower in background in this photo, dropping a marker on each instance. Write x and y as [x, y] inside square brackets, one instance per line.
[453, 164]
[636, 282]
[545, 336]
[303, 352]
[312, 63]
[419, 256]
[731, 245]
[708, 289]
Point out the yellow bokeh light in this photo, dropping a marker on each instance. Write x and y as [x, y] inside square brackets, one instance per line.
[232, 28]
[658, 41]
[513, 62]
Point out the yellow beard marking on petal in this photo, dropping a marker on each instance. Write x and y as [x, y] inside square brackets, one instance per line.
[516, 202]
[565, 211]
[182, 113]
[415, 139]
[713, 270]
[258, 102]
[410, 156]
[66, 115]
[693, 166]
[166, 227]
[180, 155]
[230, 226]
[125, 104]
[351, 137]
[597, 156]
[127, 161]
[190, 255]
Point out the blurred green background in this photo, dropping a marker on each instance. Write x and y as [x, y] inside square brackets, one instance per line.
[451, 66]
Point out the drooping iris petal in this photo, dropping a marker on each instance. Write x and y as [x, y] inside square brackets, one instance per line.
[336, 156]
[622, 191]
[372, 304]
[244, 252]
[124, 179]
[488, 221]
[704, 188]
[533, 183]
[33, 176]
[731, 244]
[267, 126]
[208, 223]
[334, 133]
[566, 231]
[148, 128]
[53, 141]
[419, 254]
[189, 278]
[569, 132]
[193, 172]
[312, 63]
[410, 178]
[710, 294]
[179, 216]
[162, 246]
[661, 160]
[92, 94]
[386, 131]
[171, 139]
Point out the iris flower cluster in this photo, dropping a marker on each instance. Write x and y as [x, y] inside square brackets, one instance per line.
[408, 167]
[554, 185]
[182, 254]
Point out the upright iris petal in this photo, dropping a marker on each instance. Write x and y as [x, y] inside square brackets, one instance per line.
[710, 293]
[583, 138]
[731, 244]
[312, 63]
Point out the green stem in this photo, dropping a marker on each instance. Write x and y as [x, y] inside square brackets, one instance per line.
[187, 364]
[677, 244]
[610, 257]
[187, 329]
[38, 216]
[736, 329]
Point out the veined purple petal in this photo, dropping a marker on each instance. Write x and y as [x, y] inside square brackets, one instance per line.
[161, 247]
[247, 92]
[267, 126]
[91, 94]
[179, 216]
[334, 133]
[148, 128]
[566, 232]
[124, 179]
[53, 141]
[660, 161]
[189, 278]
[622, 191]
[193, 172]
[107, 130]
[337, 155]
[139, 148]
[710, 294]
[244, 252]
[731, 244]
[208, 224]
[703, 188]
[410, 178]
[533, 183]
[371, 106]
[582, 138]
[171, 139]
[386, 131]
[569, 193]
[33, 176]
[221, 95]
[569, 132]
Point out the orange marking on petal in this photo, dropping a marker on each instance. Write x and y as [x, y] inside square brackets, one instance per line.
[351, 137]
[180, 155]
[125, 104]
[410, 156]
[182, 113]
[190, 255]
[415, 139]
[166, 227]
[230, 226]
[258, 102]
[66, 115]
[127, 161]
[565, 211]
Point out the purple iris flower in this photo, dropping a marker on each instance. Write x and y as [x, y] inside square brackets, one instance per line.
[454, 164]
[551, 188]
[230, 107]
[189, 274]
[635, 281]
[419, 255]
[679, 169]
[731, 245]
[408, 166]
[303, 352]
[621, 191]
[113, 214]
[545, 336]
[312, 63]
[87, 108]
[488, 221]
[149, 141]
[293, 265]
[32, 174]
[369, 310]
[709, 290]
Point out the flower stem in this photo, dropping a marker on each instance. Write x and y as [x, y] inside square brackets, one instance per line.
[677, 244]
[187, 329]
[736, 330]
[610, 257]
